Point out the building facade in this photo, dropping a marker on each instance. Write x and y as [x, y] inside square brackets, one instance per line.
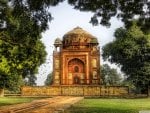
[76, 59]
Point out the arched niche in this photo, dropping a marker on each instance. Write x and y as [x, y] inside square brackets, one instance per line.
[76, 66]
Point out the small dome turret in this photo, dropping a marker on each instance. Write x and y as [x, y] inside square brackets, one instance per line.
[58, 42]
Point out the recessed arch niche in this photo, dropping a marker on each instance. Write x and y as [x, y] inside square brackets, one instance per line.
[76, 70]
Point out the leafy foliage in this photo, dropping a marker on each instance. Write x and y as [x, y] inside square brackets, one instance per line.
[125, 9]
[49, 79]
[131, 51]
[110, 76]
[23, 12]
[21, 25]
[17, 60]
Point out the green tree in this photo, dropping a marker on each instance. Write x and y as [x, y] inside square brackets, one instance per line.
[110, 76]
[37, 11]
[11, 82]
[21, 25]
[49, 79]
[17, 60]
[125, 9]
[131, 51]
[16, 14]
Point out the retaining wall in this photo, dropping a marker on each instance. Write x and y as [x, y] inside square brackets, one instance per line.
[75, 91]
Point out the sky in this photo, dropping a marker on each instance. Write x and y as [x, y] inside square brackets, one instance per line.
[65, 19]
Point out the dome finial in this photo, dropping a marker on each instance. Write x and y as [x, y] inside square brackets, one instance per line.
[77, 27]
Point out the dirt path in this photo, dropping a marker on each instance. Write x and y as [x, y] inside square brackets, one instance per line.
[50, 105]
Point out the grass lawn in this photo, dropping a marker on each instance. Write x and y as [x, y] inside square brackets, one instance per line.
[110, 106]
[15, 100]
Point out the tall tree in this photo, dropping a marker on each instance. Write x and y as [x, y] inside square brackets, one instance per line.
[21, 25]
[17, 60]
[110, 76]
[125, 9]
[131, 51]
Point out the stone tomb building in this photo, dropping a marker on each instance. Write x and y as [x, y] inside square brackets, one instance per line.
[76, 65]
[76, 59]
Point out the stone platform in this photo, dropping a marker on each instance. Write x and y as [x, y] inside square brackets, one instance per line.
[75, 90]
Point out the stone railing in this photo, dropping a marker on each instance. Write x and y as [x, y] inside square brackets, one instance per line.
[75, 91]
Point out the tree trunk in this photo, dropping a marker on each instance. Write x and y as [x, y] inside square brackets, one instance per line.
[1, 92]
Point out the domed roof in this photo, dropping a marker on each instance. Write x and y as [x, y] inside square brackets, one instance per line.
[58, 41]
[78, 36]
[77, 32]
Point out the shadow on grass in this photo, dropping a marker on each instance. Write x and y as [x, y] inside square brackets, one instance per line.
[99, 110]
[4, 104]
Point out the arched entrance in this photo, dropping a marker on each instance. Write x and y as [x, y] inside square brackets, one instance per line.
[76, 71]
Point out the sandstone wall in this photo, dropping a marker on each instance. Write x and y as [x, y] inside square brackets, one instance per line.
[75, 91]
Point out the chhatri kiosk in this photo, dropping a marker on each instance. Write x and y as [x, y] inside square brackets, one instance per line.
[76, 59]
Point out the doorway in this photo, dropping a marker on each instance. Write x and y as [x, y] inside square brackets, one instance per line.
[76, 80]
